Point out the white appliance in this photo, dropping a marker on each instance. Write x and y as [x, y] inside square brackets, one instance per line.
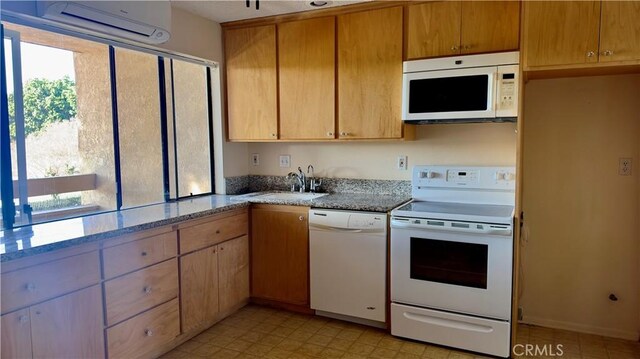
[348, 265]
[471, 88]
[135, 20]
[452, 257]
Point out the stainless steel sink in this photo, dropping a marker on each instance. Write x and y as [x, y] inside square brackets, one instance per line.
[291, 196]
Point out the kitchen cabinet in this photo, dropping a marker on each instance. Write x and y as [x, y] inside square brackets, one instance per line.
[306, 67]
[280, 254]
[573, 34]
[251, 82]
[370, 74]
[447, 28]
[199, 291]
[233, 273]
[69, 326]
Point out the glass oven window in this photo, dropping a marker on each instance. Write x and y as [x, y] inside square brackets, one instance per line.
[449, 262]
[449, 94]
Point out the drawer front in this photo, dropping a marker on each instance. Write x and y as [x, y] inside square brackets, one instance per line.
[216, 231]
[134, 255]
[30, 285]
[136, 292]
[144, 334]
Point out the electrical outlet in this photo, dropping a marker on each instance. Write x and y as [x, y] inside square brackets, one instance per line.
[402, 162]
[624, 167]
[285, 161]
[255, 159]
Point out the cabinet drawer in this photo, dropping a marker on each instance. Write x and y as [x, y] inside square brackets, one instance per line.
[130, 256]
[133, 293]
[30, 285]
[216, 231]
[144, 334]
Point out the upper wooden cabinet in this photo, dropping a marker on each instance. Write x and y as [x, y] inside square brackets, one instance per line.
[566, 34]
[252, 90]
[306, 64]
[445, 28]
[561, 32]
[620, 31]
[370, 74]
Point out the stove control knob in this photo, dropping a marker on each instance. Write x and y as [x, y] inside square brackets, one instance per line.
[427, 174]
[500, 176]
[509, 176]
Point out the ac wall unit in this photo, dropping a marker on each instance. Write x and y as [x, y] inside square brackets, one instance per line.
[144, 21]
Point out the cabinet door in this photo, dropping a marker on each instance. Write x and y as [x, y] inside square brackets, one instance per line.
[70, 326]
[233, 272]
[280, 254]
[620, 31]
[561, 32]
[489, 26]
[199, 288]
[433, 29]
[251, 83]
[370, 74]
[16, 335]
[306, 63]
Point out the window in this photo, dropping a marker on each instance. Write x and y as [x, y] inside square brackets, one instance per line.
[96, 127]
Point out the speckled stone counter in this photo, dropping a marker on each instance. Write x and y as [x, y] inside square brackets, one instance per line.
[345, 201]
[45, 237]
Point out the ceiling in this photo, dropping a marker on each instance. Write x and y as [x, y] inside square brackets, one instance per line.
[231, 10]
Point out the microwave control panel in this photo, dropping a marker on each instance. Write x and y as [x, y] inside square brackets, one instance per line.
[507, 91]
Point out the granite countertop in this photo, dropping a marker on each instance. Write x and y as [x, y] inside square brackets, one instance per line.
[45, 237]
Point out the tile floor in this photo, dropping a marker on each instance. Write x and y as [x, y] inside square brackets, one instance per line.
[259, 332]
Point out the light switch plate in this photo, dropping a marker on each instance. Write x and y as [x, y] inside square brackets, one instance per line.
[402, 163]
[285, 161]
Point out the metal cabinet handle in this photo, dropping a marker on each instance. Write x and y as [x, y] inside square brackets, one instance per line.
[30, 287]
[454, 48]
[301, 218]
[466, 47]
[221, 248]
[23, 319]
[144, 253]
[148, 332]
[607, 52]
[330, 134]
[273, 135]
[217, 231]
[147, 289]
[591, 54]
[345, 134]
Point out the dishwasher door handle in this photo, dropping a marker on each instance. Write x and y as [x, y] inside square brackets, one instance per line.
[323, 227]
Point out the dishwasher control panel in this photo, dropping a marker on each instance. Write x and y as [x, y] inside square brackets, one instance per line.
[347, 219]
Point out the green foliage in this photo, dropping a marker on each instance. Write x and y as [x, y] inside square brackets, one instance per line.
[45, 101]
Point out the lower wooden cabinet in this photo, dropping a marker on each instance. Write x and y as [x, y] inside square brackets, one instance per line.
[69, 326]
[233, 273]
[280, 254]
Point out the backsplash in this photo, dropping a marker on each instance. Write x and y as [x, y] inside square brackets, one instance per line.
[258, 183]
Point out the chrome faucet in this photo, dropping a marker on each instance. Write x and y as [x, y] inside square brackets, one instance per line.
[294, 176]
[303, 180]
[313, 184]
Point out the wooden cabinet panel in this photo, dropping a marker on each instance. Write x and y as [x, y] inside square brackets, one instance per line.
[370, 74]
[128, 257]
[252, 109]
[70, 326]
[144, 334]
[233, 272]
[33, 284]
[213, 232]
[306, 63]
[489, 26]
[280, 254]
[433, 29]
[133, 293]
[199, 288]
[15, 332]
[561, 32]
[620, 31]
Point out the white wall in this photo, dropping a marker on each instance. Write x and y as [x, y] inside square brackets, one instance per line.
[582, 216]
[469, 144]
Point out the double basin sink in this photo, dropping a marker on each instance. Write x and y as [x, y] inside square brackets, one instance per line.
[291, 196]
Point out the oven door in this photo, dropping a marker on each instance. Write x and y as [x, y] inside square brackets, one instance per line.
[449, 94]
[455, 269]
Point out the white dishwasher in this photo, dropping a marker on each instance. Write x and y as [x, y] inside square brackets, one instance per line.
[348, 265]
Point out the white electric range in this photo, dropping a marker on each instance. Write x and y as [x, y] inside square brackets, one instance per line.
[452, 257]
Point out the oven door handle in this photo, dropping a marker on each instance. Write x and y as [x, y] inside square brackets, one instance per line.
[449, 323]
[449, 226]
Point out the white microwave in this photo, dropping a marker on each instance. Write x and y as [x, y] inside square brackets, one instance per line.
[472, 88]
